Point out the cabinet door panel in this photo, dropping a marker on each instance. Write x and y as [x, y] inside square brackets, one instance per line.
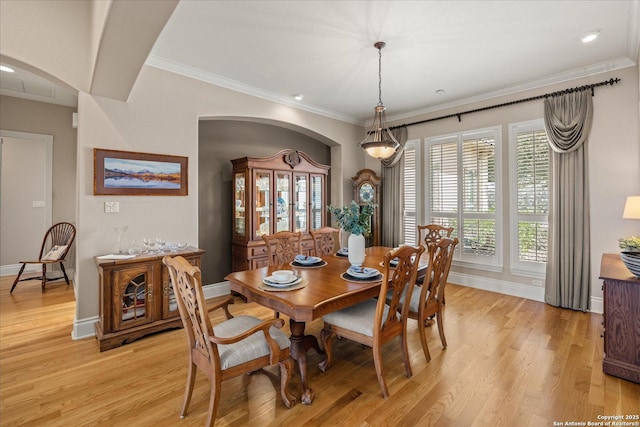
[283, 201]
[133, 296]
[262, 213]
[317, 202]
[169, 303]
[301, 203]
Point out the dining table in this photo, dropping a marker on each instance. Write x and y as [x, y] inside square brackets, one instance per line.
[323, 288]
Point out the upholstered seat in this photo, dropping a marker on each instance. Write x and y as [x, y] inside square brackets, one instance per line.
[236, 346]
[374, 322]
[427, 302]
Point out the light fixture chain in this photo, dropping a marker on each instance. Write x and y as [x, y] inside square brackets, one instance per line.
[380, 76]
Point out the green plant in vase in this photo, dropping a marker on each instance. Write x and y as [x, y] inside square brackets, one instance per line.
[356, 220]
[631, 244]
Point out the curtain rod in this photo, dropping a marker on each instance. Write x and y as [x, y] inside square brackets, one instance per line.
[519, 101]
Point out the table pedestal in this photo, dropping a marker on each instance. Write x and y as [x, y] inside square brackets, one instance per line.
[300, 344]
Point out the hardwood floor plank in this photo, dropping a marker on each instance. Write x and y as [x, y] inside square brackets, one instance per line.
[509, 362]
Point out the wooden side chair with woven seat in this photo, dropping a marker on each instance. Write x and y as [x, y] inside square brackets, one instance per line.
[326, 240]
[375, 322]
[234, 347]
[427, 302]
[56, 244]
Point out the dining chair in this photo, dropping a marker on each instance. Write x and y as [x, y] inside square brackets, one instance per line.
[326, 240]
[236, 346]
[375, 322]
[431, 233]
[283, 246]
[56, 244]
[429, 301]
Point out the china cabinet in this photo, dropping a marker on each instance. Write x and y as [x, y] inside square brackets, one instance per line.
[136, 297]
[621, 291]
[284, 192]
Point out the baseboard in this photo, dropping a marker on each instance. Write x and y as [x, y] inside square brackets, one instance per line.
[535, 293]
[85, 328]
[13, 269]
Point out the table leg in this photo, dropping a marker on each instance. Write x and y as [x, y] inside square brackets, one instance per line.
[300, 343]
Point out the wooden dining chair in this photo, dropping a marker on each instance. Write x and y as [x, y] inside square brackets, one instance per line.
[56, 244]
[283, 246]
[431, 233]
[236, 346]
[375, 322]
[427, 302]
[326, 240]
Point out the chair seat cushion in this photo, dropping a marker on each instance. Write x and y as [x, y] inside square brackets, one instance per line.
[358, 318]
[250, 348]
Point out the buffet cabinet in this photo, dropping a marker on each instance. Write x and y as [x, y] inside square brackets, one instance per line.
[136, 297]
[621, 291]
[284, 192]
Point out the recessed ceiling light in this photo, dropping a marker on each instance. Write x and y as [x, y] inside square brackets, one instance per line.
[6, 69]
[298, 97]
[590, 36]
[440, 92]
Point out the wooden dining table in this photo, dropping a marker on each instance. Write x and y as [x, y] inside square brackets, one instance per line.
[323, 291]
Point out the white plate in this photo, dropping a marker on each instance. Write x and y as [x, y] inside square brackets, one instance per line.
[343, 251]
[307, 260]
[269, 281]
[362, 272]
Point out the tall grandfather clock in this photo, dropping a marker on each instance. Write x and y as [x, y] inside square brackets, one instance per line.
[366, 189]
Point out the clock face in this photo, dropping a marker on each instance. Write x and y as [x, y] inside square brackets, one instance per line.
[366, 192]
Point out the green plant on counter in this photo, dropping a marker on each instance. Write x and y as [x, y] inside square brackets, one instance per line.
[631, 244]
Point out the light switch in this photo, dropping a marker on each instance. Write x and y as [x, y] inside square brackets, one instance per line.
[112, 207]
[39, 204]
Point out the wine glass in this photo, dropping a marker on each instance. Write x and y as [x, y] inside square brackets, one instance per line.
[120, 230]
[148, 244]
[161, 242]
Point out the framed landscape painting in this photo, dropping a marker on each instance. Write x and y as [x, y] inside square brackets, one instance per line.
[125, 173]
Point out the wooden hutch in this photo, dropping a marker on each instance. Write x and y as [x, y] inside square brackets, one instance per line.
[284, 192]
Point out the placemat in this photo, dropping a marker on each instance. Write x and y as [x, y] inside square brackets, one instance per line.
[268, 288]
[339, 255]
[316, 265]
[349, 278]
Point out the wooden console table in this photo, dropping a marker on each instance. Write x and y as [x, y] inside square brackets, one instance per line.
[621, 319]
[136, 297]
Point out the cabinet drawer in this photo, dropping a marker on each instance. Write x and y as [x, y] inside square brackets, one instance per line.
[259, 251]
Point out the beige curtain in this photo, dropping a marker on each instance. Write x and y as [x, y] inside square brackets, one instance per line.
[392, 193]
[567, 121]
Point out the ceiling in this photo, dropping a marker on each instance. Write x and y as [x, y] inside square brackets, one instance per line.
[324, 50]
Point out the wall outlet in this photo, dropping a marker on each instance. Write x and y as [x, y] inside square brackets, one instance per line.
[111, 207]
[39, 204]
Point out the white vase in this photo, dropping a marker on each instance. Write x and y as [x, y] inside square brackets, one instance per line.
[356, 249]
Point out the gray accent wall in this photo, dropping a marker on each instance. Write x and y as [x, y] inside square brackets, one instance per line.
[220, 141]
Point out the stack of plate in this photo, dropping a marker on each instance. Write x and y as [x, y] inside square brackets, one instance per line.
[307, 260]
[632, 261]
[362, 272]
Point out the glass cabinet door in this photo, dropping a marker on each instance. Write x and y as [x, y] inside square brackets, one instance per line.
[239, 208]
[262, 212]
[283, 201]
[300, 208]
[132, 297]
[317, 204]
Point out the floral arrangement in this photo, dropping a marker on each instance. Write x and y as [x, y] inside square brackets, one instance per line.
[632, 244]
[354, 218]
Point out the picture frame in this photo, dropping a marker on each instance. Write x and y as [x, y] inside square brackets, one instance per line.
[128, 173]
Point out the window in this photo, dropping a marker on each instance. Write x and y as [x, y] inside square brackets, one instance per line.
[463, 180]
[410, 192]
[529, 197]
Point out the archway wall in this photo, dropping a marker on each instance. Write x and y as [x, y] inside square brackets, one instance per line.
[162, 116]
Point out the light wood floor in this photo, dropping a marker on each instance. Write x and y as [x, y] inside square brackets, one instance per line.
[510, 362]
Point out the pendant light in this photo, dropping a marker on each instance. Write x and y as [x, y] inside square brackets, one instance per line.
[379, 142]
